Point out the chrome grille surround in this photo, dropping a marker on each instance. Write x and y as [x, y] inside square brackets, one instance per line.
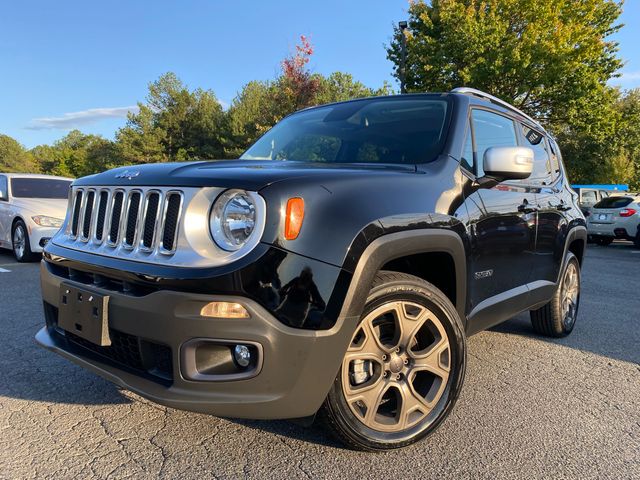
[179, 232]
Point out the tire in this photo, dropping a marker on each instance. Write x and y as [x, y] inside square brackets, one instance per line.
[410, 389]
[558, 317]
[604, 241]
[20, 243]
[636, 240]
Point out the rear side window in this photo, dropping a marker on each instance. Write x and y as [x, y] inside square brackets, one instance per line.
[613, 202]
[543, 172]
[492, 130]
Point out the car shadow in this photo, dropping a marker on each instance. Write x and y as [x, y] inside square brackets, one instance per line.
[616, 345]
[309, 433]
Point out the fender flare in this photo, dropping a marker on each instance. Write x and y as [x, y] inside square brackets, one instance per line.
[577, 232]
[400, 244]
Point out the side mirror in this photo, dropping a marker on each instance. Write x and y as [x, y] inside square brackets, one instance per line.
[508, 163]
[3, 196]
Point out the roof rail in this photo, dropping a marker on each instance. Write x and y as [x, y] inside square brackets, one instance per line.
[491, 98]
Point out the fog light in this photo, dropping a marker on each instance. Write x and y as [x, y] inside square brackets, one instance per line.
[242, 355]
[224, 310]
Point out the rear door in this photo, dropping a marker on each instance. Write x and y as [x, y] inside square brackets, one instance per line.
[552, 223]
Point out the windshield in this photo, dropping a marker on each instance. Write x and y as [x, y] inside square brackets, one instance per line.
[386, 130]
[39, 188]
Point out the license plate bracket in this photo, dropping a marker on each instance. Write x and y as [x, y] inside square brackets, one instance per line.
[85, 314]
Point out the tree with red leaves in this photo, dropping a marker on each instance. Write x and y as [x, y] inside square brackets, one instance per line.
[297, 82]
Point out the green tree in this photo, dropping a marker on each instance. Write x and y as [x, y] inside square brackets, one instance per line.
[261, 104]
[541, 55]
[76, 155]
[14, 158]
[551, 58]
[174, 124]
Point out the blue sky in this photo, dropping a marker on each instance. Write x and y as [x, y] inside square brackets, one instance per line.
[82, 64]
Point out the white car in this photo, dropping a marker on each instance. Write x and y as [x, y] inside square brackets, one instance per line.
[615, 217]
[32, 209]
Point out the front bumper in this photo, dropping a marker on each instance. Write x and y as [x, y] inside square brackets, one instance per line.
[297, 366]
[39, 236]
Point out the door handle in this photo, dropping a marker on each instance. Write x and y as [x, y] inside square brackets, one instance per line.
[562, 207]
[526, 207]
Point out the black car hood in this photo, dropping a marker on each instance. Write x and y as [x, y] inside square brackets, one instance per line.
[246, 174]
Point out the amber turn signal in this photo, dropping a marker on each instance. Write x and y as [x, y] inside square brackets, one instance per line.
[294, 218]
[224, 310]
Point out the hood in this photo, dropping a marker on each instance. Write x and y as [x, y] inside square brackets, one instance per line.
[246, 174]
[51, 207]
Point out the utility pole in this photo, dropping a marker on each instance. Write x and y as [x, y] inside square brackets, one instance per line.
[403, 56]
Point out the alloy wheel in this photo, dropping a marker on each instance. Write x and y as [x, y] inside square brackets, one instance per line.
[397, 366]
[19, 241]
[570, 296]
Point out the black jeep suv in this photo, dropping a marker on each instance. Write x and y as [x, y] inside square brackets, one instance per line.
[336, 268]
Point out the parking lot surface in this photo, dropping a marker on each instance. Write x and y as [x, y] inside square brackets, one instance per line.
[531, 407]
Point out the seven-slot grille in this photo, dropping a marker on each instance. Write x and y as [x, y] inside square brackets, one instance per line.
[141, 219]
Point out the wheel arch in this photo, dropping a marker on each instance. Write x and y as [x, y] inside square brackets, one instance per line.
[388, 249]
[576, 243]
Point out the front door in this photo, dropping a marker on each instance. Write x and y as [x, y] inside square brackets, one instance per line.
[502, 228]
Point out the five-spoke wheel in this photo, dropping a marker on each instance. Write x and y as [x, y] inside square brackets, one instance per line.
[397, 366]
[558, 317]
[403, 368]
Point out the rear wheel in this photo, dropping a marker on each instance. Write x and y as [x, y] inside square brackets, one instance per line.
[604, 241]
[636, 240]
[403, 369]
[558, 317]
[20, 242]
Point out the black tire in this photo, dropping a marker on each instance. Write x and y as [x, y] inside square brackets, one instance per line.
[551, 320]
[389, 288]
[21, 251]
[604, 241]
[636, 240]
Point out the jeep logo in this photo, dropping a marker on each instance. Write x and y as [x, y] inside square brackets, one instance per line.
[128, 174]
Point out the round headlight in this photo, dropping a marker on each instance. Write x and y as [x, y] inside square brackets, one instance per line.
[233, 219]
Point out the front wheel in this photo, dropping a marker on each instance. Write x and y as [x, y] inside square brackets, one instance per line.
[403, 369]
[20, 243]
[558, 317]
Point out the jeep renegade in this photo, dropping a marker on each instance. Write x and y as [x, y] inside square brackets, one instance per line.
[335, 269]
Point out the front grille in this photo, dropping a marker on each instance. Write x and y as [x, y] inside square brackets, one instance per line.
[132, 219]
[88, 210]
[116, 215]
[150, 218]
[102, 212]
[137, 219]
[171, 222]
[76, 213]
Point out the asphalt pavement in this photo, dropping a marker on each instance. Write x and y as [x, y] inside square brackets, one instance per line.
[531, 407]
